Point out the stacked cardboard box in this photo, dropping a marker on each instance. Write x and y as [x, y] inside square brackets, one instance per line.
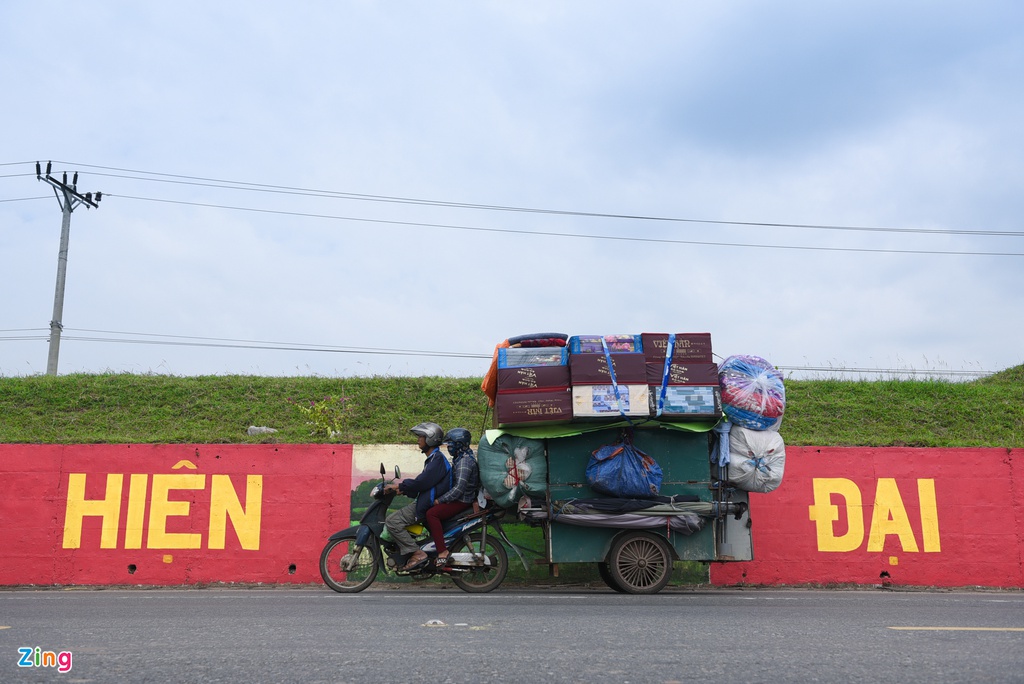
[687, 387]
[533, 386]
[694, 347]
[561, 384]
[595, 392]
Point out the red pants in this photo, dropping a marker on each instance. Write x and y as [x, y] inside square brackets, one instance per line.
[437, 514]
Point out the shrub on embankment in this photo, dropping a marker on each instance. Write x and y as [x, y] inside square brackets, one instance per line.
[128, 408]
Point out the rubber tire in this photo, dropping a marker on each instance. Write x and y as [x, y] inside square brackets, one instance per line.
[495, 574]
[606, 575]
[330, 560]
[640, 562]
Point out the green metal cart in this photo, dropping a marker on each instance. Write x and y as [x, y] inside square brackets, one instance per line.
[634, 560]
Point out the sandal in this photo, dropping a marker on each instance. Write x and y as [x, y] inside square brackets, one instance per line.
[441, 561]
[414, 563]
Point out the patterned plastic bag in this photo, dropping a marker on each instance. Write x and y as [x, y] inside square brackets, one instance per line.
[753, 394]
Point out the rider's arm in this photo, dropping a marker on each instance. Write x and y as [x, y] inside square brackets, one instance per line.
[433, 471]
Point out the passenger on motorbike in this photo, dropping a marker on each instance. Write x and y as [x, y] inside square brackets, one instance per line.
[433, 481]
[462, 493]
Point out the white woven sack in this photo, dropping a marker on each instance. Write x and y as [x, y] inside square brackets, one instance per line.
[757, 459]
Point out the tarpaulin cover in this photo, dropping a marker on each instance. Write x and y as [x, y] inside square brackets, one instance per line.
[489, 385]
[757, 459]
[579, 428]
[511, 466]
[683, 523]
[683, 514]
[607, 504]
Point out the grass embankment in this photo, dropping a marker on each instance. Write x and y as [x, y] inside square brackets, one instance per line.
[124, 408]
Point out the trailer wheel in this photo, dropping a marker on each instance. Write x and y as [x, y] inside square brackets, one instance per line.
[640, 563]
[606, 575]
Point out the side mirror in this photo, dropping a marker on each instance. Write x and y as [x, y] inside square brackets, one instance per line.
[398, 473]
[382, 471]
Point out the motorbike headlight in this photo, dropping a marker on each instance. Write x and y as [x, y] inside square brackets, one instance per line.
[375, 492]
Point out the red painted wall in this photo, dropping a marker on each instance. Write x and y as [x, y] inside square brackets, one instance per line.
[188, 514]
[901, 516]
[169, 514]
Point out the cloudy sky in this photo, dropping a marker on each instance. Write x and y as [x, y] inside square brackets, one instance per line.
[323, 188]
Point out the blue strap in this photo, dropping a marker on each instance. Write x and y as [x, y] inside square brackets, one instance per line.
[448, 468]
[611, 373]
[614, 383]
[664, 372]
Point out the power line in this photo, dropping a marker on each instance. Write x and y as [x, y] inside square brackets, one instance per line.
[225, 184]
[585, 236]
[886, 371]
[23, 199]
[195, 341]
[280, 189]
[235, 343]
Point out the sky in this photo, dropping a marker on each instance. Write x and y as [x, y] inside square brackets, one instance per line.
[363, 189]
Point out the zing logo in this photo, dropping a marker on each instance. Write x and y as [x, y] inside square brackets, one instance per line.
[37, 657]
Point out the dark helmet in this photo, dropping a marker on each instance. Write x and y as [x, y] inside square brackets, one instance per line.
[458, 436]
[458, 440]
[431, 432]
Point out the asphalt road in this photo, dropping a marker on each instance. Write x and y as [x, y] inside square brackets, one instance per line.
[523, 636]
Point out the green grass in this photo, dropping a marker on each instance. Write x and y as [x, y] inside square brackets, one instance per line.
[127, 408]
[926, 413]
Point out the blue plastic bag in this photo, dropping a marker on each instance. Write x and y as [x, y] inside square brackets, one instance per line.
[623, 471]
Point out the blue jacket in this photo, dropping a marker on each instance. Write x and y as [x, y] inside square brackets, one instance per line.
[435, 480]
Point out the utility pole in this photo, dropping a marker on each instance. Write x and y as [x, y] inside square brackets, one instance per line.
[68, 198]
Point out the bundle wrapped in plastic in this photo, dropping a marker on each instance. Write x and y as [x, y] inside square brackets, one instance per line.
[753, 395]
[598, 344]
[511, 467]
[622, 470]
[757, 459]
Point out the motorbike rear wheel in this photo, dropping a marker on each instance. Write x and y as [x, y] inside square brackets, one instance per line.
[363, 567]
[483, 578]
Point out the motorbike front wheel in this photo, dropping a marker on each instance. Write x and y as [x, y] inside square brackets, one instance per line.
[485, 577]
[346, 568]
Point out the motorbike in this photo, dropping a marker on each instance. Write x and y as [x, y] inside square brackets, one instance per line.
[478, 562]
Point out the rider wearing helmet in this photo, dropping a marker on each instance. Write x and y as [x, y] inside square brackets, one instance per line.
[432, 482]
[462, 493]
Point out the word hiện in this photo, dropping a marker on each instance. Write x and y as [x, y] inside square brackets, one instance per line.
[36, 657]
